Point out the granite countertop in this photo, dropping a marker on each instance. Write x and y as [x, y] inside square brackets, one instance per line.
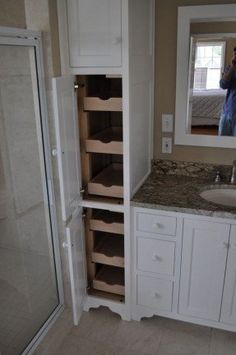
[180, 193]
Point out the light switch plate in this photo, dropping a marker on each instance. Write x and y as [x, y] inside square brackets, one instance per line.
[167, 122]
[166, 145]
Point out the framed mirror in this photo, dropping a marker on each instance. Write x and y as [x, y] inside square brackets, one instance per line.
[205, 49]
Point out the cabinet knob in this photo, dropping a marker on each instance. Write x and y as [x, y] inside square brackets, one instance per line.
[116, 40]
[233, 246]
[65, 245]
[54, 152]
[156, 257]
[158, 225]
[224, 245]
[156, 295]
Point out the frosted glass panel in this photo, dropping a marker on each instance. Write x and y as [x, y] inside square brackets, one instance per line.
[28, 285]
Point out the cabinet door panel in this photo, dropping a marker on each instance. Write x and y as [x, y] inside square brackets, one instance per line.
[228, 313]
[203, 268]
[94, 30]
[67, 137]
[76, 259]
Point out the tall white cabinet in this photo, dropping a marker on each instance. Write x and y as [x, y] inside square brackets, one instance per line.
[103, 107]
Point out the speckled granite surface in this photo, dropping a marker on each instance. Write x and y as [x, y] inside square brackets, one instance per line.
[175, 186]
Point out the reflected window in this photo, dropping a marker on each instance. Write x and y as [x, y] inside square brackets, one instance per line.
[209, 59]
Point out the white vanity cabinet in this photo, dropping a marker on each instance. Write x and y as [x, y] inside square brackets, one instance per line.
[184, 267]
[156, 263]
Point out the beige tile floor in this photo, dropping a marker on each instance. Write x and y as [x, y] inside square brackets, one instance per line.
[102, 332]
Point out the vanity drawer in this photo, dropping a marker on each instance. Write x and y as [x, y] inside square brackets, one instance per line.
[155, 255]
[155, 293]
[153, 223]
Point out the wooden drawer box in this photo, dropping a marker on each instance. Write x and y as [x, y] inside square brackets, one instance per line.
[155, 293]
[153, 223]
[110, 279]
[109, 250]
[155, 255]
[109, 182]
[108, 141]
[106, 221]
[97, 104]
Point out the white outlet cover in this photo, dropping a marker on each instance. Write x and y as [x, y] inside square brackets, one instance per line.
[166, 145]
[167, 122]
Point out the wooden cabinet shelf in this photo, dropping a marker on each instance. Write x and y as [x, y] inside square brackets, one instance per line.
[110, 279]
[108, 141]
[109, 250]
[109, 182]
[106, 221]
[97, 104]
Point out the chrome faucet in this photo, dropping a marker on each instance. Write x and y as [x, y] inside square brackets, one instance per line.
[233, 175]
[217, 178]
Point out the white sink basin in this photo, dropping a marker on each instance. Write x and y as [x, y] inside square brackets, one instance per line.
[223, 196]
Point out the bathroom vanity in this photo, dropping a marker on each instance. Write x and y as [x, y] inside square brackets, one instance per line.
[169, 252]
[184, 249]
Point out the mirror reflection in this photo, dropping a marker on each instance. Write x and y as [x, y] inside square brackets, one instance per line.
[212, 84]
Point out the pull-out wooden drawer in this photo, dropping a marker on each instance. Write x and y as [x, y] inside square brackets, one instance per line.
[155, 255]
[97, 104]
[110, 279]
[106, 221]
[109, 182]
[155, 293]
[108, 141]
[153, 223]
[109, 250]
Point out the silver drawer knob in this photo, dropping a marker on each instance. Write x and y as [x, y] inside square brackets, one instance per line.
[233, 246]
[158, 225]
[156, 257]
[54, 152]
[65, 245]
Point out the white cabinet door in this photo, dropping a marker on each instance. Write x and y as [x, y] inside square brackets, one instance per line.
[205, 246]
[77, 264]
[228, 313]
[94, 31]
[67, 137]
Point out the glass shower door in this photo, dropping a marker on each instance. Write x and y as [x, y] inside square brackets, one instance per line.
[28, 279]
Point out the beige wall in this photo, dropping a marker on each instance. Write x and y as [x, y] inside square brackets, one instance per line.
[166, 44]
[12, 13]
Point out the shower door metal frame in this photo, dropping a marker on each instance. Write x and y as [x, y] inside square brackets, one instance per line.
[33, 39]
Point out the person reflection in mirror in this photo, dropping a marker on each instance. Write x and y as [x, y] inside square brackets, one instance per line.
[227, 124]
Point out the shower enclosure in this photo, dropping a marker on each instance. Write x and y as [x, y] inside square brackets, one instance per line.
[30, 278]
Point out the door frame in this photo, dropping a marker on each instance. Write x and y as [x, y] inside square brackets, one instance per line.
[28, 38]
